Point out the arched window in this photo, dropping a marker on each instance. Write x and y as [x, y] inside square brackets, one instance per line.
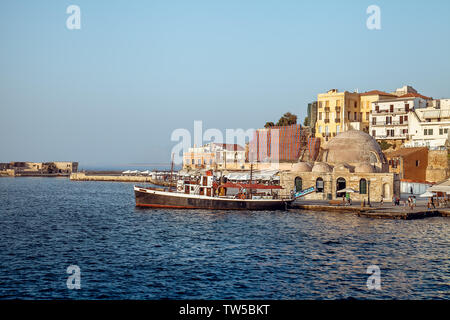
[373, 157]
[363, 186]
[298, 184]
[340, 184]
[319, 185]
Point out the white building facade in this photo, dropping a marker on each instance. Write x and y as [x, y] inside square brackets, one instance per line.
[430, 126]
[389, 119]
[212, 154]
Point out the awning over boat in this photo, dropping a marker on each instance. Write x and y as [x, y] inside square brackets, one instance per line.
[249, 186]
[266, 175]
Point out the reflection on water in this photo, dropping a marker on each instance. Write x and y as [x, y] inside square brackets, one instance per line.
[129, 253]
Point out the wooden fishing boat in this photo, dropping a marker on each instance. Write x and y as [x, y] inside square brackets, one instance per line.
[207, 193]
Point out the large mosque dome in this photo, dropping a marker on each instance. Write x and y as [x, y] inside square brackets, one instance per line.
[353, 147]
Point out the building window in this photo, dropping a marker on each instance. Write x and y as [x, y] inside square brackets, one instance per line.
[367, 116]
[374, 133]
[407, 107]
[298, 184]
[417, 163]
[319, 185]
[338, 128]
[320, 115]
[355, 104]
[349, 115]
[355, 116]
[193, 162]
[441, 131]
[373, 157]
[374, 120]
[363, 186]
[320, 129]
[388, 120]
[340, 184]
[391, 108]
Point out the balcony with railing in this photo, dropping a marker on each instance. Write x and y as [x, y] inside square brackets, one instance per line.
[394, 136]
[327, 120]
[390, 123]
[394, 111]
[337, 120]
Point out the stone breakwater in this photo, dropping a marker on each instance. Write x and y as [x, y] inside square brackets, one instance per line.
[82, 176]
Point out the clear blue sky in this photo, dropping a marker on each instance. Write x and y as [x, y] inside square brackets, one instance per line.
[112, 92]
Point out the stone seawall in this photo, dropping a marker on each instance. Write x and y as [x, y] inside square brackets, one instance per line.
[81, 176]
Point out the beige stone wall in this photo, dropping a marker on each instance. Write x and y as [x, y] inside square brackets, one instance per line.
[381, 184]
[437, 169]
[81, 176]
[8, 172]
[66, 166]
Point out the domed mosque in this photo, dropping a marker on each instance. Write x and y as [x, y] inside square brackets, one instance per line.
[352, 160]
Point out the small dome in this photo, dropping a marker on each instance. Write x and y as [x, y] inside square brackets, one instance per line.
[321, 167]
[343, 168]
[365, 168]
[302, 167]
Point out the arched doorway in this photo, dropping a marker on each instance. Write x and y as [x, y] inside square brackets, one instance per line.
[363, 186]
[319, 185]
[340, 184]
[298, 184]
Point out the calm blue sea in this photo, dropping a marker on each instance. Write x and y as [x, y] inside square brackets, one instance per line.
[47, 224]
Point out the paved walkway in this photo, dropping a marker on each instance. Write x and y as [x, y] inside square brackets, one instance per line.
[377, 210]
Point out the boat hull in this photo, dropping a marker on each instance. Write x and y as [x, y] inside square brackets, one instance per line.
[159, 199]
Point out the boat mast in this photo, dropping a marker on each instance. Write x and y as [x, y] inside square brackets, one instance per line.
[171, 172]
[251, 178]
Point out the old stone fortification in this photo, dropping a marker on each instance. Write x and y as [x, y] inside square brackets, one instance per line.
[437, 169]
[81, 176]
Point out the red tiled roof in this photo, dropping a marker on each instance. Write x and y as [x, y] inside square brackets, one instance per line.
[417, 181]
[377, 92]
[415, 95]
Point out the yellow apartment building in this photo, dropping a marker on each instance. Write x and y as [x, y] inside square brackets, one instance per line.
[337, 112]
[342, 111]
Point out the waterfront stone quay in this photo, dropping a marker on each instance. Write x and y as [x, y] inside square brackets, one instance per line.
[83, 176]
[376, 210]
